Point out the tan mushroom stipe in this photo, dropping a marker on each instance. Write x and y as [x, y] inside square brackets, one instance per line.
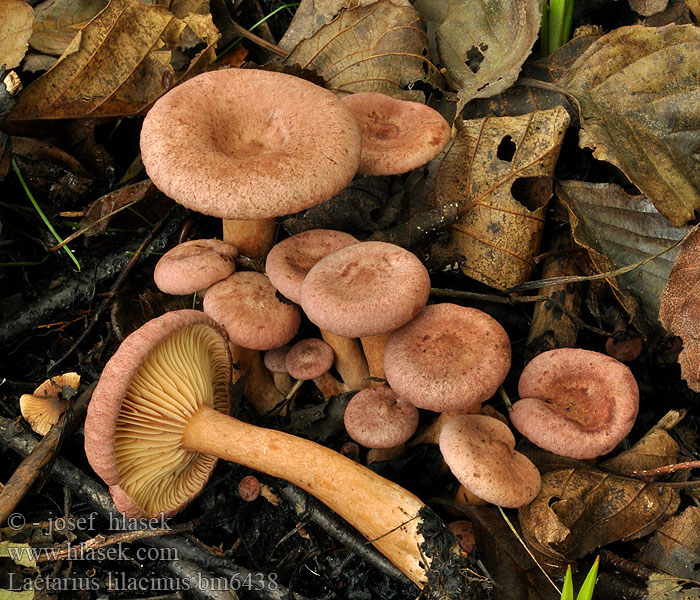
[44, 407]
[240, 144]
[158, 415]
[480, 452]
[397, 135]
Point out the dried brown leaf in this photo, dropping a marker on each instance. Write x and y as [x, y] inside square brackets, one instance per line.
[639, 92]
[694, 6]
[16, 18]
[666, 587]
[618, 230]
[57, 22]
[680, 307]
[656, 449]
[675, 547]
[647, 8]
[499, 170]
[381, 47]
[109, 203]
[482, 44]
[580, 509]
[119, 63]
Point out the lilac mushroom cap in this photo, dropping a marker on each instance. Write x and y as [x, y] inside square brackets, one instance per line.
[248, 308]
[480, 452]
[450, 358]
[397, 135]
[135, 423]
[365, 289]
[275, 359]
[575, 402]
[239, 144]
[194, 266]
[309, 358]
[377, 418]
[288, 262]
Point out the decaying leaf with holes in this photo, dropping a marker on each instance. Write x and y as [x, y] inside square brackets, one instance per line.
[499, 170]
[619, 230]
[380, 47]
[120, 62]
[680, 308]
[638, 88]
[16, 18]
[482, 44]
[580, 509]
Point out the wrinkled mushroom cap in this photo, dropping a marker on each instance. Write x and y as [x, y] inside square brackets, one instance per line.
[249, 144]
[480, 452]
[309, 359]
[376, 418]
[160, 375]
[365, 289]
[288, 262]
[194, 266]
[249, 310]
[576, 403]
[44, 407]
[397, 135]
[449, 358]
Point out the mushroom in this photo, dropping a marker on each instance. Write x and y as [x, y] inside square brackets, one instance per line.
[254, 318]
[288, 263]
[274, 361]
[480, 452]
[377, 418]
[312, 359]
[397, 135]
[365, 289]
[449, 358]
[44, 407]
[239, 144]
[575, 402]
[157, 421]
[194, 266]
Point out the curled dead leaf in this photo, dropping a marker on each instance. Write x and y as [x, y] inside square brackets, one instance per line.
[499, 171]
[580, 509]
[57, 22]
[379, 47]
[679, 312]
[675, 547]
[483, 44]
[638, 91]
[119, 63]
[618, 230]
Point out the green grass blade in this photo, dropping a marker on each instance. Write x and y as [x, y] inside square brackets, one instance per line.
[586, 591]
[42, 215]
[544, 29]
[567, 590]
[568, 21]
[556, 23]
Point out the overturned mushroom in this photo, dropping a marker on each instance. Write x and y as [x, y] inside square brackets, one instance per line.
[157, 420]
[575, 402]
[44, 407]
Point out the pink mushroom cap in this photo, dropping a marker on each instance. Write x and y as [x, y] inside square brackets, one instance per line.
[377, 418]
[365, 289]
[397, 135]
[131, 408]
[576, 403]
[249, 310]
[288, 262]
[194, 266]
[309, 358]
[480, 452]
[275, 359]
[450, 358]
[240, 144]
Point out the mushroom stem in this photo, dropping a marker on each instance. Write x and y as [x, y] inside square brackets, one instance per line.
[382, 511]
[349, 360]
[329, 386]
[373, 348]
[252, 237]
[259, 390]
